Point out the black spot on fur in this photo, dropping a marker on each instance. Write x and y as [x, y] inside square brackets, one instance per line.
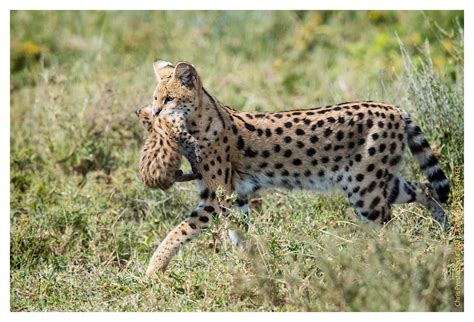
[209, 209]
[375, 202]
[395, 160]
[240, 143]
[379, 173]
[297, 162]
[205, 194]
[393, 147]
[394, 192]
[249, 127]
[310, 152]
[251, 153]
[372, 186]
[374, 215]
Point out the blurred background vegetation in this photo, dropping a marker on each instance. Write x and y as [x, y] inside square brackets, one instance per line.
[83, 226]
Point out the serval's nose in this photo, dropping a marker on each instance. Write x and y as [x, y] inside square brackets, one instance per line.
[137, 112]
[156, 111]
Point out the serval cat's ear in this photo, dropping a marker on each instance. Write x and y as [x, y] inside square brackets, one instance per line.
[158, 65]
[187, 75]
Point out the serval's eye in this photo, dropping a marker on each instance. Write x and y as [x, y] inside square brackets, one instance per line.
[168, 99]
[155, 98]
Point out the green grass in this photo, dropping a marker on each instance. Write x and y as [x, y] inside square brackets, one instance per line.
[83, 226]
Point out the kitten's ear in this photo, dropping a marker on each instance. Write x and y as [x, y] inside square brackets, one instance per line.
[186, 74]
[158, 65]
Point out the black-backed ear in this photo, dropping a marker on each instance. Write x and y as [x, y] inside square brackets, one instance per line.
[186, 74]
[158, 65]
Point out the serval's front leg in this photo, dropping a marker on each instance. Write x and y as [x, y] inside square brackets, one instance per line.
[187, 143]
[187, 230]
[189, 147]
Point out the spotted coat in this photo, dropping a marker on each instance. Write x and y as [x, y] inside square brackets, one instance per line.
[160, 157]
[356, 147]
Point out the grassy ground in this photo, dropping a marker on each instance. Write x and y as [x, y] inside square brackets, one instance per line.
[83, 226]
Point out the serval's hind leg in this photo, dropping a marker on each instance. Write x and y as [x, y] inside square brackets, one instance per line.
[402, 191]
